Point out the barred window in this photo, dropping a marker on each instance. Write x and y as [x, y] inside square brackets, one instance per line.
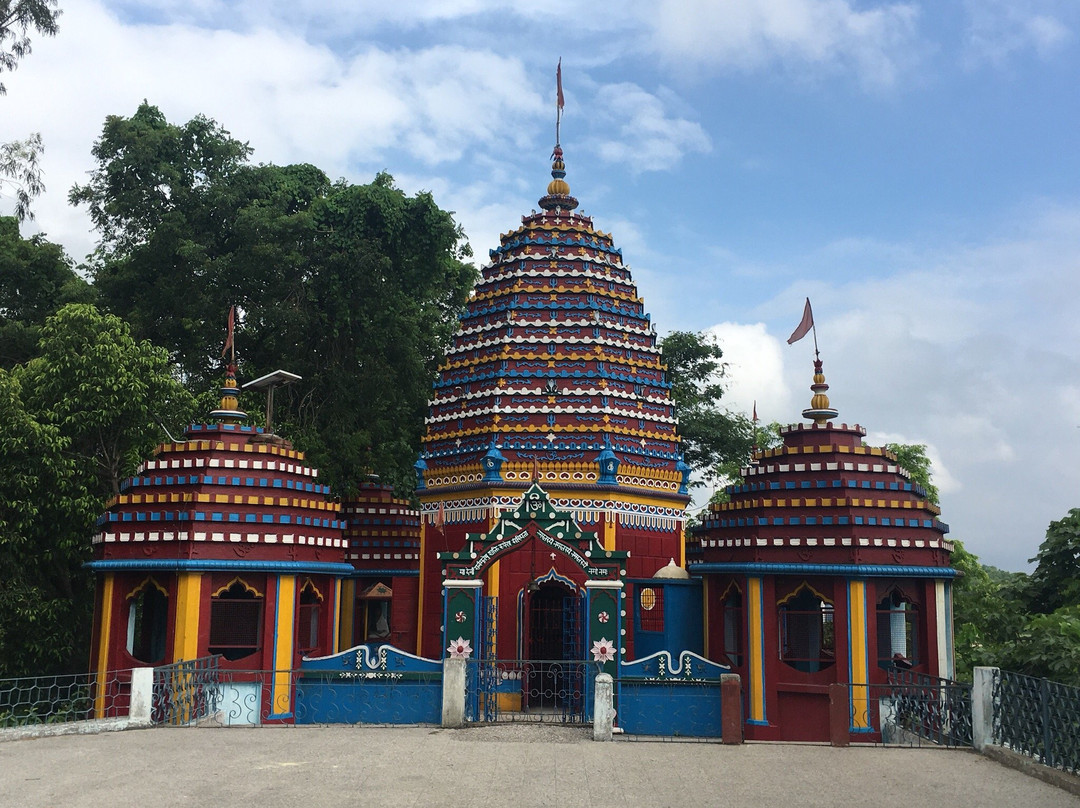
[897, 631]
[235, 621]
[651, 600]
[807, 632]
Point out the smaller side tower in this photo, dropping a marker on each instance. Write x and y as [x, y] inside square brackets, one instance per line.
[223, 542]
[827, 565]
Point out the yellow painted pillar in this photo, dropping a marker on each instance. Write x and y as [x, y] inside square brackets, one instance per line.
[346, 609]
[755, 608]
[104, 642]
[858, 657]
[284, 619]
[186, 626]
[609, 530]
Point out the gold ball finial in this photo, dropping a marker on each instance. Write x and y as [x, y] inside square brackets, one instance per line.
[819, 410]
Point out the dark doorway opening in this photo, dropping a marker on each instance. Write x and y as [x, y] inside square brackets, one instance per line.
[554, 643]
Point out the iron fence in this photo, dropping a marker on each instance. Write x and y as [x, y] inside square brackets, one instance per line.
[527, 690]
[60, 699]
[1038, 718]
[187, 692]
[913, 709]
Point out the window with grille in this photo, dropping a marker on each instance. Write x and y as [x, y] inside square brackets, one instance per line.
[731, 622]
[807, 632]
[235, 622]
[897, 631]
[651, 600]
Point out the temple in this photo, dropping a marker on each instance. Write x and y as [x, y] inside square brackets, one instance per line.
[826, 565]
[549, 520]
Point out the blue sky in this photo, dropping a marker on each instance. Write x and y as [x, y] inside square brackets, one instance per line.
[910, 166]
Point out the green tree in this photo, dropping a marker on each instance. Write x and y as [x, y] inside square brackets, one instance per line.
[1046, 646]
[913, 458]
[1055, 583]
[36, 279]
[713, 438]
[74, 421]
[988, 612]
[20, 170]
[107, 394]
[45, 518]
[17, 19]
[354, 287]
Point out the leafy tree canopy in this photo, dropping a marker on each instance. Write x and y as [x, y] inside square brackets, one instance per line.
[36, 279]
[356, 288]
[107, 394]
[1055, 583]
[17, 19]
[913, 458]
[20, 171]
[74, 421]
[45, 515]
[714, 439]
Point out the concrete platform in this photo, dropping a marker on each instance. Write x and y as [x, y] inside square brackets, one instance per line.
[519, 766]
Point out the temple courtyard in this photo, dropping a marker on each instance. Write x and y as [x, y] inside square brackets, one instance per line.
[502, 765]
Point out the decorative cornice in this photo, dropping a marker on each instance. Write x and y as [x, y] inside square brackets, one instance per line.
[847, 570]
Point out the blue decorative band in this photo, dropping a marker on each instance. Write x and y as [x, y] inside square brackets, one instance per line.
[218, 565]
[847, 570]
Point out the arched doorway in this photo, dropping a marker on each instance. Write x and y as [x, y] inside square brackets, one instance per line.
[553, 636]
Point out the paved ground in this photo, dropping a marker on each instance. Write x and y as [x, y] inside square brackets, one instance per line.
[494, 766]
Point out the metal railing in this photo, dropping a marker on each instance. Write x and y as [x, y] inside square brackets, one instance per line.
[60, 699]
[1038, 718]
[186, 692]
[528, 690]
[913, 709]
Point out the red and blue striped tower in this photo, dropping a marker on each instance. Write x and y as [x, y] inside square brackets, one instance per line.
[827, 565]
[379, 599]
[223, 542]
[554, 376]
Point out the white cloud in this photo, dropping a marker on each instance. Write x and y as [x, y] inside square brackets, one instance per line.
[968, 350]
[875, 43]
[755, 371]
[644, 136]
[292, 100]
[998, 30]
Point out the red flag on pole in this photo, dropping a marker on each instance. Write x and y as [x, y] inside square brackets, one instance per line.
[229, 335]
[440, 518]
[755, 410]
[804, 326]
[558, 82]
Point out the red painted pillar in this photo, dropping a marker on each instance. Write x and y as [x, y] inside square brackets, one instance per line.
[731, 708]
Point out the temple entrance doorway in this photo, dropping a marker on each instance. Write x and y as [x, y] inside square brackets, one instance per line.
[554, 645]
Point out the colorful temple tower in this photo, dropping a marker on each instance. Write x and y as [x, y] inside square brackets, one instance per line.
[378, 600]
[827, 565]
[224, 542]
[554, 378]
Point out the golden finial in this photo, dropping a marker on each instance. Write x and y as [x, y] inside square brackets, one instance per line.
[819, 410]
